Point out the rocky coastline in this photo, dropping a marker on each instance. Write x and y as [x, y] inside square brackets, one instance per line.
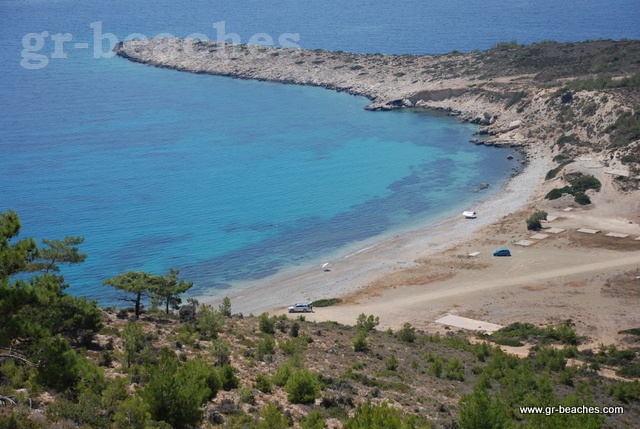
[517, 94]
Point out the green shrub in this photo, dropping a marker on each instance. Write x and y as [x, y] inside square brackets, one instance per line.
[584, 182]
[454, 370]
[302, 387]
[285, 370]
[554, 172]
[407, 333]
[556, 193]
[534, 221]
[263, 383]
[326, 302]
[632, 331]
[368, 416]
[294, 330]
[176, 392]
[314, 420]
[360, 342]
[132, 413]
[228, 377]
[210, 322]
[481, 411]
[625, 391]
[245, 396]
[367, 323]
[266, 346]
[225, 307]
[272, 418]
[19, 419]
[567, 139]
[582, 199]
[631, 370]
[436, 367]
[629, 159]
[626, 129]
[267, 324]
[391, 364]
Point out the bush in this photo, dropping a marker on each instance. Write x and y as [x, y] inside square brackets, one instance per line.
[263, 383]
[272, 418]
[554, 172]
[391, 364]
[210, 322]
[267, 324]
[407, 333]
[228, 377]
[225, 307]
[369, 416]
[302, 387]
[582, 199]
[176, 392]
[266, 346]
[367, 323]
[360, 342]
[480, 410]
[625, 391]
[294, 330]
[556, 193]
[326, 302]
[285, 370]
[534, 221]
[436, 367]
[314, 420]
[629, 158]
[584, 182]
[454, 370]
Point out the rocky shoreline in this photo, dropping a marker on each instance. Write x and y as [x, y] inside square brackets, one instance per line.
[513, 92]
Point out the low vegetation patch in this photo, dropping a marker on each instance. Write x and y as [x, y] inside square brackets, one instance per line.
[554, 172]
[327, 302]
[526, 332]
[579, 184]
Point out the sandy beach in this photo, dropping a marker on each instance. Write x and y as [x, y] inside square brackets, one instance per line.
[356, 267]
[518, 96]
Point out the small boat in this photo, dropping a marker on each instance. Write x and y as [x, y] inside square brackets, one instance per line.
[470, 214]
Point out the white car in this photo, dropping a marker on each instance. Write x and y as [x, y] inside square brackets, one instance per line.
[301, 308]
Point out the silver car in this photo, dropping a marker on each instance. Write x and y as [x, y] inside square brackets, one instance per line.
[301, 308]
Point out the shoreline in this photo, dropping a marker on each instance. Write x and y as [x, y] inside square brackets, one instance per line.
[354, 267]
[522, 97]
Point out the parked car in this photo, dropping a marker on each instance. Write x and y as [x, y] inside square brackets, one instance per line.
[301, 308]
[502, 252]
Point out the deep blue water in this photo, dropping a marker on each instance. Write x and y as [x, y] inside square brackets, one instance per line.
[230, 180]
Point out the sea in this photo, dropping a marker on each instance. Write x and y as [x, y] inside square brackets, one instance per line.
[233, 180]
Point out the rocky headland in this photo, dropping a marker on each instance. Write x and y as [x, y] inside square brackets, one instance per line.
[569, 98]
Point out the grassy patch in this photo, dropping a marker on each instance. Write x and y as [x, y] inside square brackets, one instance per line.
[625, 129]
[327, 302]
[554, 172]
[633, 331]
[522, 332]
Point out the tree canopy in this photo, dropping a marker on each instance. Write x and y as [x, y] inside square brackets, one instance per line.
[168, 288]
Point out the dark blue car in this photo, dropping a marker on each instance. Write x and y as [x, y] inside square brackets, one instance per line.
[502, 252]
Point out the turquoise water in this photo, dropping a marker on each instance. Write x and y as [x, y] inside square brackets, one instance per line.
[230, 180]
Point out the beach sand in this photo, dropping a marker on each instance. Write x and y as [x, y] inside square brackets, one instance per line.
[426, 273]
[355, 268]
